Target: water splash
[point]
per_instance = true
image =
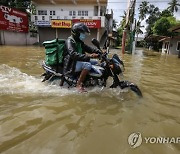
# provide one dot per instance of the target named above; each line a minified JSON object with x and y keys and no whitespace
{"x":13,"y":81}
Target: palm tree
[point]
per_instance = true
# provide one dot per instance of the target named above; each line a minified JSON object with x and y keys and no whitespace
{"x":123,"y":21}
{"x":143,"y":10}
{"x":154,"y":15}
{"x":138,"y":30}
{"x":173,"y":6}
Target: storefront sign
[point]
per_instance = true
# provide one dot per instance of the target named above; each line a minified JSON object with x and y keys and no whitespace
{"x":13,"y":20}
{"x":42,"y":23}
{"x":90,"y":23}
{"x":61,"y":23}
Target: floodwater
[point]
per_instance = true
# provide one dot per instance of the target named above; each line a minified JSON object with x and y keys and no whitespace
{"x":40,"y":118}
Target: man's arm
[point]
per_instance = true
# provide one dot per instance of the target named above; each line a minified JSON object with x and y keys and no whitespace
{"x":89,"y":49}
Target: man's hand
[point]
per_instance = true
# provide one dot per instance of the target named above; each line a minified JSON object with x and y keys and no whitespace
{"x":94,"y":55}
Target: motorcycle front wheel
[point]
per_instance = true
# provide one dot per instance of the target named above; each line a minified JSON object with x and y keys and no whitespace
{"x":131,"y":86}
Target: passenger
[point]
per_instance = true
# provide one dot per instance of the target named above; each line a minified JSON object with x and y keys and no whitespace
{"x":75,"y":59}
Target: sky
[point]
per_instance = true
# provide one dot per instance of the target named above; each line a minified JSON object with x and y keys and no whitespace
{"x":119,"y":6}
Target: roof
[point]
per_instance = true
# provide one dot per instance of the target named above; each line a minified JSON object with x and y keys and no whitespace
{"x":175,"y":28}
{"x":154,"y":37}
{"x":169,"y":38}
{"x":54,"y":2}
{"x":164,"y":39}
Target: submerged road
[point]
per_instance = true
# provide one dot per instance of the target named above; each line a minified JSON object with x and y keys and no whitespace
{"x":39,"y":118}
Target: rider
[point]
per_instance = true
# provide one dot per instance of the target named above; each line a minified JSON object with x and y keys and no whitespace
{"x":75,"y":59}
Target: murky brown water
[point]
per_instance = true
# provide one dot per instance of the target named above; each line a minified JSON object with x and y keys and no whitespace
{"x":37,"y":118}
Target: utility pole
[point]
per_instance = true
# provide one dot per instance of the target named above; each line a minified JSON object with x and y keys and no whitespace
{"x":125,"y":29}
{"x":132,"y":27}
{"x":129,"y":21}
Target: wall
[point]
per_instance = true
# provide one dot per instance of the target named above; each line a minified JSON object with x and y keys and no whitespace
{"x":47,"y":33}
{"x":15,"y":38}
{"x":63,"y":10}
{"x":173,"y":46}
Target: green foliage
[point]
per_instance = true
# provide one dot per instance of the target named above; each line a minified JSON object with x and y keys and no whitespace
{"x":141,"y":43}
{"x":120,"y":34}
{"x":19,"y":4}
{"x":123,"y":21}
{"x":166,"y":13}
{"x":162,"y":25}
{"x":22,"y":5}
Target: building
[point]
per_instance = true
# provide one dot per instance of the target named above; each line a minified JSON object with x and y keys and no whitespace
{"x":54,"y":18}
{"x":171,"y":45}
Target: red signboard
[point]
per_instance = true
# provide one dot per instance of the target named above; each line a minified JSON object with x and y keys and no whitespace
{"x":13,"y":20}
{"x":90,"y":23}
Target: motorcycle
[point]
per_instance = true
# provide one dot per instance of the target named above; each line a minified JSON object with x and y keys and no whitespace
{"x":98,"y":75}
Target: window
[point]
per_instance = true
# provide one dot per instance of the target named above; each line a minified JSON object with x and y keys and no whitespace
{"x":178,"y":46}
{"x":58,"y":17}
{"x":50,"y":17}
{"x":83,"y":13}
{"x":36,"y":17}
{"x":79,"y":13}
{"x":52,"y":13}
{"x":43,"y":17}
{"x":86,"y":13}
{"x":42,"y":12}
{"x":70,"y":13}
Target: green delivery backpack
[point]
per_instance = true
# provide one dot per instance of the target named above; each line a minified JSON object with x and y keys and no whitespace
{"x":54,"y":50}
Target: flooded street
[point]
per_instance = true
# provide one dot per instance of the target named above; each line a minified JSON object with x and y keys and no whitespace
{"x":39,"y":118}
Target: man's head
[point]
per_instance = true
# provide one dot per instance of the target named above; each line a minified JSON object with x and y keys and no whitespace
{"x":79,"y":31}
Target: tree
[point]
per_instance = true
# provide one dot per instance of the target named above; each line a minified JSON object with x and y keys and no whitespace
{"x":19,"y":4}
{"x":173,"y":6}
{"x":154,"y":15}
{"x":123,"y":21}
{"x":166,"y":13}
{"x":162,"y":25}
{"x":143,"y":10}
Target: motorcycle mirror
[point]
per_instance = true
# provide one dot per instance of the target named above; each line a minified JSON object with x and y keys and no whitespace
{"x":96,"y":43}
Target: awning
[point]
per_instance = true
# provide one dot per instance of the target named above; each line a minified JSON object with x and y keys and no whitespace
{"x":164,"y":39}
{"x":175,"y":28}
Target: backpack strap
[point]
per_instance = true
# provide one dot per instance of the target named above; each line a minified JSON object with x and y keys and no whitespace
{"x":57,"y":56}
{"x":78,"y":45}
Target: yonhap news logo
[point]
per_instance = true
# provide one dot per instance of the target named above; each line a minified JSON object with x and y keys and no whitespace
{"x":136,"y":139}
